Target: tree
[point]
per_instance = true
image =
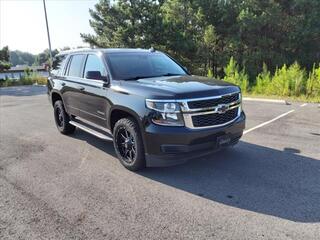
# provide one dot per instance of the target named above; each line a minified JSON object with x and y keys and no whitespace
{"x":204,"y":34}
{"x":44,"y":57}
{"x":184,"y":28}
{"x":277,"y":33}
{"x":210,"y":48}
{"x":125,"y":23}
{"x":21,"y":58}
{"x":4,"y":59}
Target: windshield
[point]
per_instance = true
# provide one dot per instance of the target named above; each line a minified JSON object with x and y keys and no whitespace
{"x":133,"y":66}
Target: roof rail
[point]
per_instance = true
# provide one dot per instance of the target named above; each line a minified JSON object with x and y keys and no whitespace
{"x":75,"y":50}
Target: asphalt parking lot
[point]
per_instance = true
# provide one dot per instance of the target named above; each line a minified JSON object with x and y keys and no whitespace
{"x":72,"y":187}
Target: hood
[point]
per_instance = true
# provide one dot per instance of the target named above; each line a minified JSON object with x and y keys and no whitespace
{"x":178,"y":87}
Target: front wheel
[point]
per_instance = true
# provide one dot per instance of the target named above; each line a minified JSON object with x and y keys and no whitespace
{"x":62,"y":119}
{"x":128,"y":144}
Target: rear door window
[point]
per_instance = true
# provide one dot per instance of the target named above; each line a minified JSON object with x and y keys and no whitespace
{"x":75,"y":65}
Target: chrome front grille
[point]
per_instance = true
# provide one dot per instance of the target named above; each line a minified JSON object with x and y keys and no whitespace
{"x":211,"y":112}
{"x":206,"y":120}
{"x":207,"y":103}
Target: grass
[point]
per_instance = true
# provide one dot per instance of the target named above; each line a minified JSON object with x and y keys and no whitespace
{"x":301,"y":98}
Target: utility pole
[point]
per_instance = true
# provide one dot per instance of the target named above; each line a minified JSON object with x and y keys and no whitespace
{"x":45,"y":13}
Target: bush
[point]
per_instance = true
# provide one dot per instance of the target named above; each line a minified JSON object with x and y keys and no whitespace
{"x":28,"y":79}
{"x":33,"y":78}
{"x":313,"y":82}
{"x":235,"y":76}
{"x":280,"y":83}
{"x":210,"y":73}
{"x":285,"y":82}
{"x":263,"y":81}
{"x":298,"y":80}
{"x":289,"y":81}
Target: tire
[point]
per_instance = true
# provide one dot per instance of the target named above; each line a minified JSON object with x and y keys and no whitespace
{"x":62,"y":119}
{"x":128,"y":144}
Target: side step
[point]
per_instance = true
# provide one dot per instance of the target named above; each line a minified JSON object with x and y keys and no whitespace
{"x":92,"y":130}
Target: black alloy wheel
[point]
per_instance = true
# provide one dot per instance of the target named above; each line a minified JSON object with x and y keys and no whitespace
{"x":62,"y":119}
{"x":128,"y":144}
{"x":59,"y":117}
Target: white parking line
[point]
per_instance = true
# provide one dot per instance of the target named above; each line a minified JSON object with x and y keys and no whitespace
{"x":263,"y":100}
{"x":304,"y":104}
{"x":268,"y":122}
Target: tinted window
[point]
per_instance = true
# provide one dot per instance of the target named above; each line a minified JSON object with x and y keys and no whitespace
{"x":57,"y":65}
{"x":93,"y":63}
{"x":75,"y":65}
{"x":128,"y":66}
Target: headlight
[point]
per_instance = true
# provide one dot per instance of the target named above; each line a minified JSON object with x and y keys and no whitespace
{"x":166,"y":113}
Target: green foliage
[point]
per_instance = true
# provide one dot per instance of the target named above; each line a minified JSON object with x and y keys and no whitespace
{"x":29,"y":79}
{"x":313,"y":82}
{"x":32,"y":77}
{"x":280,"y":83}
{"x":204,"y":34}
{"x":236,"y":76}
{"x":210,"y":73}
{"x":24,"y":58}
{"x":288,"y":81}
{"x":263,"y":80}
{"x":298,"y":80}
{"x":125,"y":24}
{"x":4,"y":65}
{"x":4,"y":59}
{"x":44,"y":57}
{"x":21,"y":58}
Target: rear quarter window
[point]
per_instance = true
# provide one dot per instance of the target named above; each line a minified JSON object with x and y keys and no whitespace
{"x":58,"y":65}
{"x":75,"y":65}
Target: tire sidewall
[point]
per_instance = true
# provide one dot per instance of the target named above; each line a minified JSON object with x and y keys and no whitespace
{"x":58,"y":107}
{"x":66,"y":127}
{"x":132,"y":127}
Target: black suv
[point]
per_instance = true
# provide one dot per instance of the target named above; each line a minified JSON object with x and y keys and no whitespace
{"x":153,"y":110}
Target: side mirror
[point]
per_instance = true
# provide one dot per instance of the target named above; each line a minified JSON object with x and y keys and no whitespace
{"x":186,"y":69}
{"x":96,"y":75}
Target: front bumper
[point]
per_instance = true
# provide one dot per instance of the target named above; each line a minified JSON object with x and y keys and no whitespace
{"x":167,"y":146}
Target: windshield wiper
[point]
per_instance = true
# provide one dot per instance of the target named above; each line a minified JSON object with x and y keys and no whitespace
{"x":170,"y":74}
{"x":138,"y":77}
{"x":162,"y":75}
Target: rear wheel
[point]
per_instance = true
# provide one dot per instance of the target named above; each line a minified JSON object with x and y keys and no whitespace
{"x":62,"y":119}
{"x":128,"y":144}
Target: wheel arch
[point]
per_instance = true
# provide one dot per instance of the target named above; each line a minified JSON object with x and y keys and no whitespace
{"x":55,"y":96}
{"x":118,"y":112}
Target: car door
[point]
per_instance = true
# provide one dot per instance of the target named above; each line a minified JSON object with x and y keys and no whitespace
{"x":72,"y":89}
{"x":93,"y":103}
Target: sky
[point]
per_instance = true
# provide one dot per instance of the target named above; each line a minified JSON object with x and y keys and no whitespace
{"x":23,"y":27}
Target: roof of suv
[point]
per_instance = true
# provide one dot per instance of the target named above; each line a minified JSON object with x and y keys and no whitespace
{"x":106,"y":50}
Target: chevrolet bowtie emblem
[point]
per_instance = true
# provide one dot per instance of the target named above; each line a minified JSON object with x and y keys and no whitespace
{"x":222,"y":108}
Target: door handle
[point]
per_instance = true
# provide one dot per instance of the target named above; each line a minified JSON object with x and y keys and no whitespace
{"x":63,"y":84}
{"x":81,"y":88}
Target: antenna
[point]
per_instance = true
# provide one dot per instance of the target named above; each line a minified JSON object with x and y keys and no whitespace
{"x":49,"y":41}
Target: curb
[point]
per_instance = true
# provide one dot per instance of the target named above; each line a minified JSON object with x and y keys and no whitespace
{"x":265,"y":100}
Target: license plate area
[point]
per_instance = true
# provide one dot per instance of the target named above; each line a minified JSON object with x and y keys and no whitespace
{"x":223,"y":141}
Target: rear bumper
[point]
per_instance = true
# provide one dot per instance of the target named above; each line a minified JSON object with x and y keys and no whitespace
{"x":167,"y":146}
